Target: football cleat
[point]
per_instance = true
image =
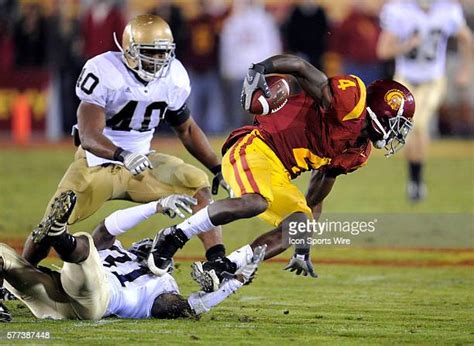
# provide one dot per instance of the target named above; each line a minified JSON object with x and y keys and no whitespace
{"x":165,"y":244}
{"x":210,"y":274}
{"x":207,"y":280}
{"x":5,"y":315}
{"x":416,"y":191}
{"x":6,"y":294}
{"x":55,"y":223}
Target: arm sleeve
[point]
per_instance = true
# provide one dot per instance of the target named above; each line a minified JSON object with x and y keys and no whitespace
{"x":90,"y":85}
{"x":202,"y":302}
{"x":178,"y":117}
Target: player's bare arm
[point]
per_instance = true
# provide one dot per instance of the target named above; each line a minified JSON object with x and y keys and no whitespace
{"x":91,"y":124}
{"x":197,"y":144}
{"x":319,"y":188}
{"x":312,"y":80}
{"x":464,"y":38}
{"x":389,"y":45}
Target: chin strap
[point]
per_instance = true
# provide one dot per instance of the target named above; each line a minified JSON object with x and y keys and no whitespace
{"x":382,"y":142}
{"x":379,"y":144}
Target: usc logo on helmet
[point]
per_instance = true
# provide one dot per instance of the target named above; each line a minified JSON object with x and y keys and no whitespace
{"x":394,"y":97}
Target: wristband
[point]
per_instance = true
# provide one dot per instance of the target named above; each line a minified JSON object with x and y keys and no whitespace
{"x":118,"y":154}
{"x":216,"y":169}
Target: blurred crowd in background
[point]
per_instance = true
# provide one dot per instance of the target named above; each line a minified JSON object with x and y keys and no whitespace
{"x":216,"y":41}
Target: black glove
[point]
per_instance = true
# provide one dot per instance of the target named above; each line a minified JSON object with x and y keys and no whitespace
{"x":254,"y":80}
{"x":219,"y":180}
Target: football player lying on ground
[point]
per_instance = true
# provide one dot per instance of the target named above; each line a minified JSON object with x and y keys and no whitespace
{"x":327,"y":127}
{"x":100,"y":278}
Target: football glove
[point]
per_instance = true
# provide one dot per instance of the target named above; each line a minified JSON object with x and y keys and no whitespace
{"x":175,"y":205}
{"x":301,"y":263}
{"x":248,"y":271}
{"x":136,"y":163}
{"x":254,"y":80}
{"x":218,"y":180}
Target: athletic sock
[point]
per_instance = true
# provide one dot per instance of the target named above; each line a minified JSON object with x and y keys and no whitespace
{"x":64,"y":245}
{"x":241,"y":256}
{"x":214,"y":252}
{"x":198,"y":223}
{"x":415,"y":169}
{"x":202,"y":302}
{"x":121,"y":221}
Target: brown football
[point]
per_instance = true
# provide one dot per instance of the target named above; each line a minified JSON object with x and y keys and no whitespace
{"x":280,"y":90}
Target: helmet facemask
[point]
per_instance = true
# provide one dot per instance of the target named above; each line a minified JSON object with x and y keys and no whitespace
{"x":140,"y":58}
{"x":394,"y":137}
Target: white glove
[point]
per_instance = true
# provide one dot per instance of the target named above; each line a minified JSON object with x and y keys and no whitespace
{"x":173,"y":204}
{"x":248,"y":271}
{"x":134,"y":162}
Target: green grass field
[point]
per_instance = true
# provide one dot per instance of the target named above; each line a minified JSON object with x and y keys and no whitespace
{"x":410,"y":281}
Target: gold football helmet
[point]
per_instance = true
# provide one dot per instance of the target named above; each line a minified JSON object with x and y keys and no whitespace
{"x":147,"y":46}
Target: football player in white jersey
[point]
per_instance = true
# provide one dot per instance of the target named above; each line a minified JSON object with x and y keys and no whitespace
{"x":124,"y":96}
{"x":100,"y":278}
{"x":415,"y":33}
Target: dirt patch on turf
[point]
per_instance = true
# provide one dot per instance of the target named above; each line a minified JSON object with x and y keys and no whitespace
{"x":17,"y":244}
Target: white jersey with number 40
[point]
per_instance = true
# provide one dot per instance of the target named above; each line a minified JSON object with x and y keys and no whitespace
{"x":133,"y":109}
{"x":405,"y":18}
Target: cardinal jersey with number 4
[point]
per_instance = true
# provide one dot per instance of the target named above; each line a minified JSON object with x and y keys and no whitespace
{"x":133,"y":109}
{"x":305,"y":136}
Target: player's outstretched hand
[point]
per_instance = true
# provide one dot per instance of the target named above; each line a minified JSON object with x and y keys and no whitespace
{"x":301,"y":264}
{"x":248,"y":271}
{"x":136,"y":163}
{"x":175,"y":205}
{"x":218,"y":180}
{"x":254,"y":80}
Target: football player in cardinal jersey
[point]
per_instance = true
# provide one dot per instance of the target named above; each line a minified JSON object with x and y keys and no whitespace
{"x":327,"y":127}
{"x":124,"y":96}
{"x":101,"y":278}
{"x":415,"y":33}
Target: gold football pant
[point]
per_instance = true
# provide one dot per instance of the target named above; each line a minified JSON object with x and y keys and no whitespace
{"x":428,"y":97}
{"x":79,"y":291}
{"x":96,"y":185}
{"x":251,"y":166}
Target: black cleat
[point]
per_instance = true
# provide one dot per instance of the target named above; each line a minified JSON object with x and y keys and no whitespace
{"x":210,"y":274}
{"x":6,"y":294}
{"x":55,"y":223}
{"x":5,"y":315}
{"x":165,"y":245}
